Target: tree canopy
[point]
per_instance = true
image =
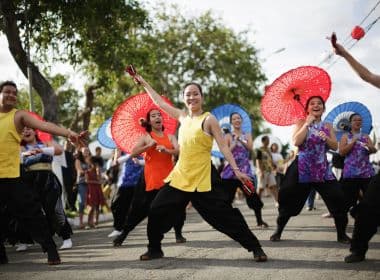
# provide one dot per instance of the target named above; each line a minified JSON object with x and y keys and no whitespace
{"x":169,"y":49}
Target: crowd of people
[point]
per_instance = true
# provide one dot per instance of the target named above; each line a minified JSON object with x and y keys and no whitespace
{"x":172,"y":174}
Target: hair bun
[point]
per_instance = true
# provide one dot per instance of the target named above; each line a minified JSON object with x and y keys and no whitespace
{"x":143,"y":122}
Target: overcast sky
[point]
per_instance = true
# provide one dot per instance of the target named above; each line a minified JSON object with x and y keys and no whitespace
{"x":299,"y":26}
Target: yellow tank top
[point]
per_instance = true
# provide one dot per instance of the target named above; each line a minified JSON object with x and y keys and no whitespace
{"x":192,"y":171}
{"x":9,"y":146}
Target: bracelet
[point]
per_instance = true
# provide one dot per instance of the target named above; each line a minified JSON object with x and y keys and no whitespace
{"x":237,"y":168}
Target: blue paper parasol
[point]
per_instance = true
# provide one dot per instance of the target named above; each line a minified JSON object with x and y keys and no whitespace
{"x":340,"y":117}
{"x":222,"y":114}
{"x":104,"y":135}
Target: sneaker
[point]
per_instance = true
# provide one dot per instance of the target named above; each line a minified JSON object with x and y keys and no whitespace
{"x":22,"y":247}
{"x":259,"y":255}
{"x":262,"y":225}
{"x":354,"y":258}
{"x":150,"y":255}
{"x":114,"y":233}
{"x":327,"y":215}
{"x":67,"y":244}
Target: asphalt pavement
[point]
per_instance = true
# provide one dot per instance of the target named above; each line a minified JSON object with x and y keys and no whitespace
{"x":308,"y":251}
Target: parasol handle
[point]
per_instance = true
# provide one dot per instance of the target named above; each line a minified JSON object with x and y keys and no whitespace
{"x":296,"y":96}
{"x":131,"y":70}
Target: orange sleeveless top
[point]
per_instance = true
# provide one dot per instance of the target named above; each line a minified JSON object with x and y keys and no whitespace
{"x":157,"y":165}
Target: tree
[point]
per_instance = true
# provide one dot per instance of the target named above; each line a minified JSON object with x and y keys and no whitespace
{"x":202,"y":49}
{"x":89,"y":34}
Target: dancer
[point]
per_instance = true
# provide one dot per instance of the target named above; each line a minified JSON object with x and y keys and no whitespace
{"x":367,"y":212}
{"x":190,"y":180}
{"x":240,"y":145}
{"x":159,"y":149}
{"x":357,"y":169}
{"x":15,"y":195}
{"x":37,"y":158}
{"x":129,"y":177}
{"x":313,"y":138}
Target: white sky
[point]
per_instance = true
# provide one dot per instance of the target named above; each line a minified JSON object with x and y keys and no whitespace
{"x":299,"y":26}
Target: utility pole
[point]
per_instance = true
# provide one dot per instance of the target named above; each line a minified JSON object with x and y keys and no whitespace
{"x":28,"y":62}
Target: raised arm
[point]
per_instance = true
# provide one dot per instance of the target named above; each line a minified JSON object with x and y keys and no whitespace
{"x":159,"y":101}
{"x":359,"y":68}
{"x":344,"y":146}
{"x":23,"y":118}
{"x":300,"y":131}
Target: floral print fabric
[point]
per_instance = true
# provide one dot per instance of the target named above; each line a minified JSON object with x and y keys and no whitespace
{"x":241,"y":156}
{"x":312,"y":160}
{"x":356,"y":163}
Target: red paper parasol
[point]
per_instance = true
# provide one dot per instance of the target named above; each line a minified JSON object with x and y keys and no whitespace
{"x":43,"y":136}
{"x":125,"y":124}
{"x":284,"y":100}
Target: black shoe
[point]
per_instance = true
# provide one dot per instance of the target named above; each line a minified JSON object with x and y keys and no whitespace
{"x":3,"y":255}
{"x":53,"y":257}
{"x":275,"y":237}
{"x":259,"y":255}
{"x":118,"y":241}
{"x":354,"y":258}
{"x":151,"y":254}
{"x":180,"y":239}
{"x":344,"y":239}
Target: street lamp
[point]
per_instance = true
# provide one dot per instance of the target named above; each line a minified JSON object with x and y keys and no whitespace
{"x":275,"y":52}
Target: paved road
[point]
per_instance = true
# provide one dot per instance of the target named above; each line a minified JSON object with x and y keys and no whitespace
{"x":308,"y":251}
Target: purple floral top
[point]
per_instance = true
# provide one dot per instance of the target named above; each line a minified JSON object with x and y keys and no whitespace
{"x":356,"y":162}
{"x":241,"y":156}
{"x":312,"y":160}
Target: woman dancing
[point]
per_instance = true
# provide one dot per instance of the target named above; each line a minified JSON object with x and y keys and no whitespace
{"x":159,"y":148}
{"x":190,"y":180}
{"x":311,"y":170}
{"x":37,"y":159}
{"x":240,"y":145}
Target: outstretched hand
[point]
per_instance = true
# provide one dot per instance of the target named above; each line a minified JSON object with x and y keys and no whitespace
{"x":78,"y":140}
{"x":338,"y":49}
{"x":131,"y":70}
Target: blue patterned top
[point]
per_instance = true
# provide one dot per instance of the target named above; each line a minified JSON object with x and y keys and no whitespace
{"x":356,"y":162}
{"x":312,"y":160}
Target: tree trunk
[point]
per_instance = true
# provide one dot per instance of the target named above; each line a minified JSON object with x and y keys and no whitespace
{"x":40,"y":84}
{"x":84,"y":116}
